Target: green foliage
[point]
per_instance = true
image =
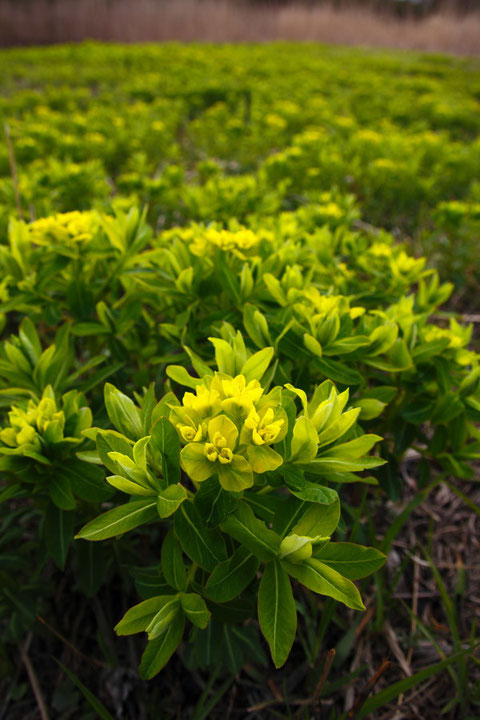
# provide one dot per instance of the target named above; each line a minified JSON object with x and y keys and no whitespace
{"x":219,"y":390}
{"x":233,"y":434}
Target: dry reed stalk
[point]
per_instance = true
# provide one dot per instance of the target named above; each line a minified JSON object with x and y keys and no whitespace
{"x":52,"y":21}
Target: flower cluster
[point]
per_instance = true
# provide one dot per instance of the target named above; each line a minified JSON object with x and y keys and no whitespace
{"x":27,"y":425}
{"x":240,"y":242}
{"x":228,"y":426}
{"x":38,"y":424}
{"x":65,"y":228}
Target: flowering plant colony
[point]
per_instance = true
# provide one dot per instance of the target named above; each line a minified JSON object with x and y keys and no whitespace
{"x":214,"y":342}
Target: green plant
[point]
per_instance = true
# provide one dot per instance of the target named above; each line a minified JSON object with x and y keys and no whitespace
{"x":256,"y":490}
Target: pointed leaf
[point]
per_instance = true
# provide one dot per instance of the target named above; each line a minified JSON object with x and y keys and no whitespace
{"x":173,"y":567}
{"x":164,"y":439}
{"x":139,"y":617}
{"x":119,"y":520}
{"x":277,"y":614}
{"x":352,"y":561}
{"x":123,"y":412}
{"x":159,"y":651}
{"x":170,"y":499}
{"x":203,"y":545}
{"x":195,"y":609}
{"x":257,"y":364}
{"x":252,"y":533}
{"x":324,"y":580}
{"x":232,"y":576}
{"x":318,"y":520}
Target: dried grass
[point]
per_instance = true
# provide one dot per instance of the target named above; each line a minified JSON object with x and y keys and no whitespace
{"x":50,"y":21}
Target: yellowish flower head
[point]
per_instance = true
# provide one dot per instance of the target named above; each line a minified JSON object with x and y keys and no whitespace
{"x":67,"y":228}
{"x":240,"y":242}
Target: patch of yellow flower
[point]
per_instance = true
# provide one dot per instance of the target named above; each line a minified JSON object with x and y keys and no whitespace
{"x":228,"y":426}
{"x":240,"y":242}
{"x":64,"y":228}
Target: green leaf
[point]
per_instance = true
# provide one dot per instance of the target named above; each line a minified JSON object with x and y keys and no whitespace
{"x":232,"y":576}
{"x":309,"y":491}
{"x":322,"y":579}
{"x":58,"y":533}
{"x":312,"y":344}
{"x":318,"y":520}
{"x":346,"y":345}
{"x":29,"y":339}
{"x":60,"y":491}
{"x":164,"y":439}
{"x":296,"y":548}
{"x":224,"y":356}
{"x":195,"y":609}
{"x":87,"y":481}
{"x":169,"y":500}
{"x":236,"y":476}
{"x":277,"y":614}
{"x":263,"y":458}
{"x":200,"y":367}
{"x":275,"y":288}
{"x":203,"y":545}
{"x":338,"y":428}
{"x":149,"y":582}
{"x":123,"y":412}
{"x":213,"y":502}
{"x":350,"y":560}
{"x":338,"y":372}
{"x":164,"y":617}
{"x":159,"y":651}
{"x":180,"y":375}
{"x":162,"y":408}
{"x":349,"y":477}
{"x":256,"y":325}
{"x":119,"y":520}
{"x":128,"y":468}
{"x":139,"y":451}
{"x":227,"y":278}
{"x":382,"y":338}
{"x":370,"y":408}
{"x":129,"y":487}
{"x":353,"y":449}
{"x":111,"y":441}
{"x":257,"y":364}
{"x":252,"y":533}
{"x":173,"y":566}
{"x":327,"y":465}
{"x":139,"y":617}
{"x":304,"y":441}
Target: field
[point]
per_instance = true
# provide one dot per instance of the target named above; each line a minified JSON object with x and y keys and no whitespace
{"x":239,"y":383}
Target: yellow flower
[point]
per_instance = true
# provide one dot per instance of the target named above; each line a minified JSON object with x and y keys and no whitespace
{"x":205,"y":403}
{"x":240,"y":396}
{"x":201,"y":460}
{"x":265,"y":430}
{"x":26,"y":436}
{"x":8,"y":436}
{"x":211,"y":240}
{"x":47,"y":413}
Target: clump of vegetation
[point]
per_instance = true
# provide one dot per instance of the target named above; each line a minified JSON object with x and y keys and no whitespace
{"x":228,"y":386}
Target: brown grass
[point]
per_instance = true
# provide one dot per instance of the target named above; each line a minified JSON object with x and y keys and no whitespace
{"x":50,"y":21}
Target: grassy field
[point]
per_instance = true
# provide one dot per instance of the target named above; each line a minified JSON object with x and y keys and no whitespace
{"x":301,"y":216}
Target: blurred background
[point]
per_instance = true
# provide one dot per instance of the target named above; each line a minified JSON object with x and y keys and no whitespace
{"x":435,"y":25}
